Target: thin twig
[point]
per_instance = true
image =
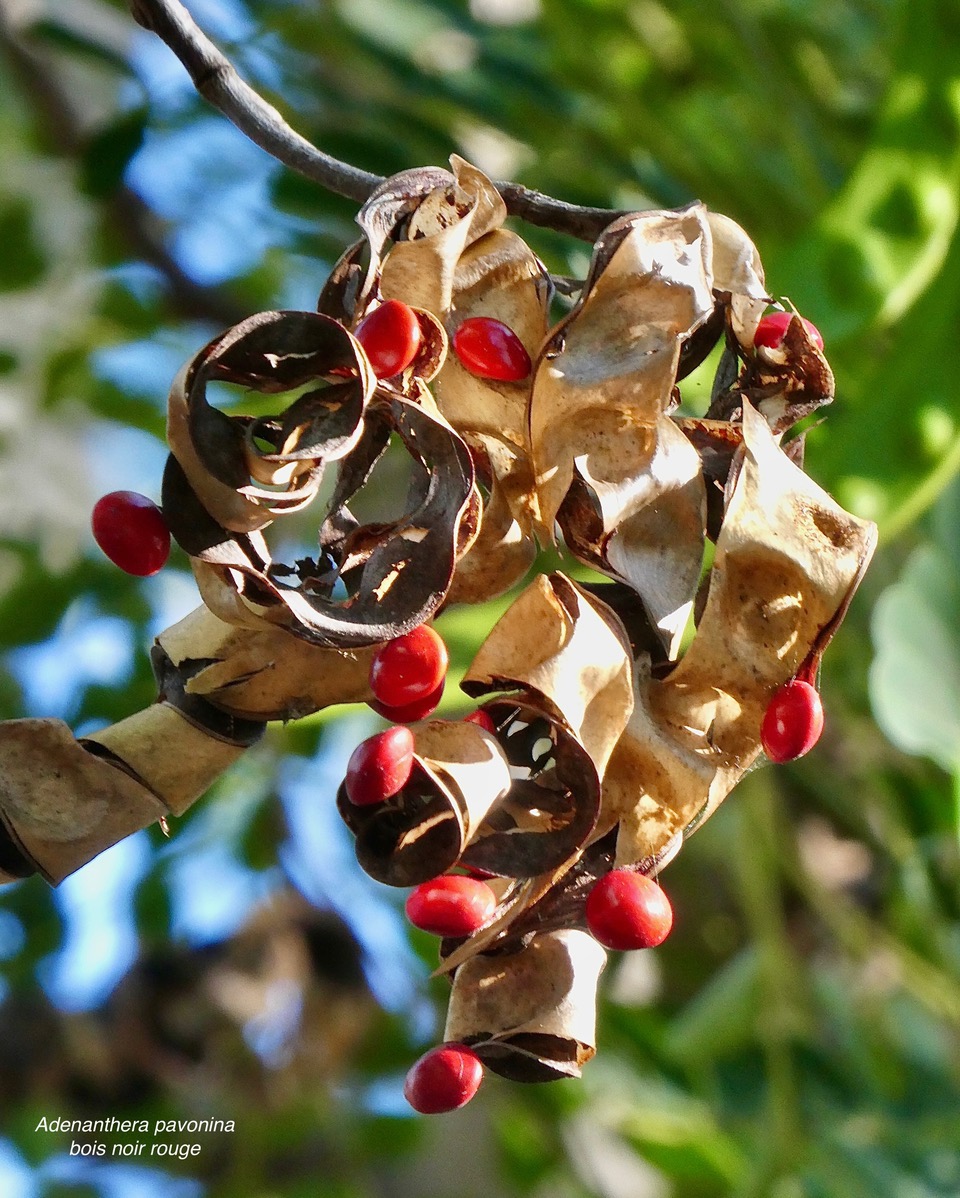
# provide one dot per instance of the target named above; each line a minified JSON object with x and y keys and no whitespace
{"x":217,"y":81}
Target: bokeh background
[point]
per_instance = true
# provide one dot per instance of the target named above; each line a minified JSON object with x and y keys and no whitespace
{"x":797,"y":1036}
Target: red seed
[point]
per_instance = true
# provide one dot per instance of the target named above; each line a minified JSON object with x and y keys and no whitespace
{"x":491,"y":350}
{"x":443,"y":1079}
{"x":627,"y":910}
{"x":131,"y":531}
{"x":410,"y":713}
{"x":391,"y":337}
{"x":451,"y":905}
{"x":773,"y":328}
{"x":792,"y":722}
{"x":482,"y":719}
{"x":408,"y":668}
{"x":379,"y":767}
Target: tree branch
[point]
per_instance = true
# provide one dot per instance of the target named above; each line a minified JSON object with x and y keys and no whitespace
{"x":218,"y":82}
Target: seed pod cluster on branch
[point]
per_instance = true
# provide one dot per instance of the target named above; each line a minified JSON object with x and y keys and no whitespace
{"x":619,"y":707}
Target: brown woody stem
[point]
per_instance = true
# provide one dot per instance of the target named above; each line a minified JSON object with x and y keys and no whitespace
{"x":218,"y":82}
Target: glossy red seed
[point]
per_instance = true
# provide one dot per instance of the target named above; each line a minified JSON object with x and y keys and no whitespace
{"x":391,"y":337}
{"x":444,"y":1079}
{"x":409,"y":713}
{"x":131,"y":531}
{"x":773,"y":328}
{"x":408,"y":668}
{"x":491,"y":350}
{"x":379,"y":767}
{"x":451,"y":905}
{"x":627,"y":910}
{"x":792,"y":722}
{"x":482,"y":719}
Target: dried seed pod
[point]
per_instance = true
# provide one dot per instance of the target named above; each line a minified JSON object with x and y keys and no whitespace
{"x":459,"y":774}
{"x":62,"y":804}
{"x":737,"y":275}
{"x":263,"y":673}
{"x":544,"y":819}
{"x":788,"y":558}
{"x":397,"y":575}
{"x":611,"y":466}
{"x":241,"y":485}
{"x":445,"y":214}
{"x":175,"y":756}
{"x":459,"y":264}
{"x":784,"y":384}
{"x":571,"y":649}
{"x":530,"y":1015}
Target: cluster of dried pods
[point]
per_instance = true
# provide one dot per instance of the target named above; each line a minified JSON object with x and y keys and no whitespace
{"x":616,"y":713}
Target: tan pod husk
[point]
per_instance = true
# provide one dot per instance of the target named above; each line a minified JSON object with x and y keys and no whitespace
{"x":571,"y":649}
{"x":457,"y":211}
{"x":175,"y":758}
{"x":614,"y":471}
{"x":264,"y":674}
{"x":787,"y":560}
{"x":63,"y":804}
{"x":530,"y":1015}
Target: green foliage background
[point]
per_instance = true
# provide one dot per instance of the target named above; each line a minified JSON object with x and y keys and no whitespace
{"x":797,"y":1037}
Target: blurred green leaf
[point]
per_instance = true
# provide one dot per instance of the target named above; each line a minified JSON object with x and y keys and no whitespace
{"x":23,"y":261}
{"x":108,"y":153}
{"x":915,"y":677}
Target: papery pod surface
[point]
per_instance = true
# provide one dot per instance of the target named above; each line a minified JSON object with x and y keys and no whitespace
{"x":611,"y":466}
{"x":787,"y":560}
{"x":530,"y":1015}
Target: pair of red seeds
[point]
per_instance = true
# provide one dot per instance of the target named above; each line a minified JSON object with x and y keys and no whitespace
{"x":624,"y":910}
{"x":406,"y":676}
{"x":392,"y":337}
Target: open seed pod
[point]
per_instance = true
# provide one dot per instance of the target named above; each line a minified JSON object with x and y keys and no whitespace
{"x":263,"y":673}
{"x":174,"y":752}
{"x":570,"y":649}
{"x":530,"y":1015}
{"x":788,"y":559}
{"x":612,"y":468}
{"x":783,"y":384}
{"x":432,"y":216}
{"x":549,"y":811}
{"x":222,"y":487}
{"x":459,"y":774}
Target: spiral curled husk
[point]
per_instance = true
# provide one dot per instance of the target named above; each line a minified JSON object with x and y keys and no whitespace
{"x":624,"y":710}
